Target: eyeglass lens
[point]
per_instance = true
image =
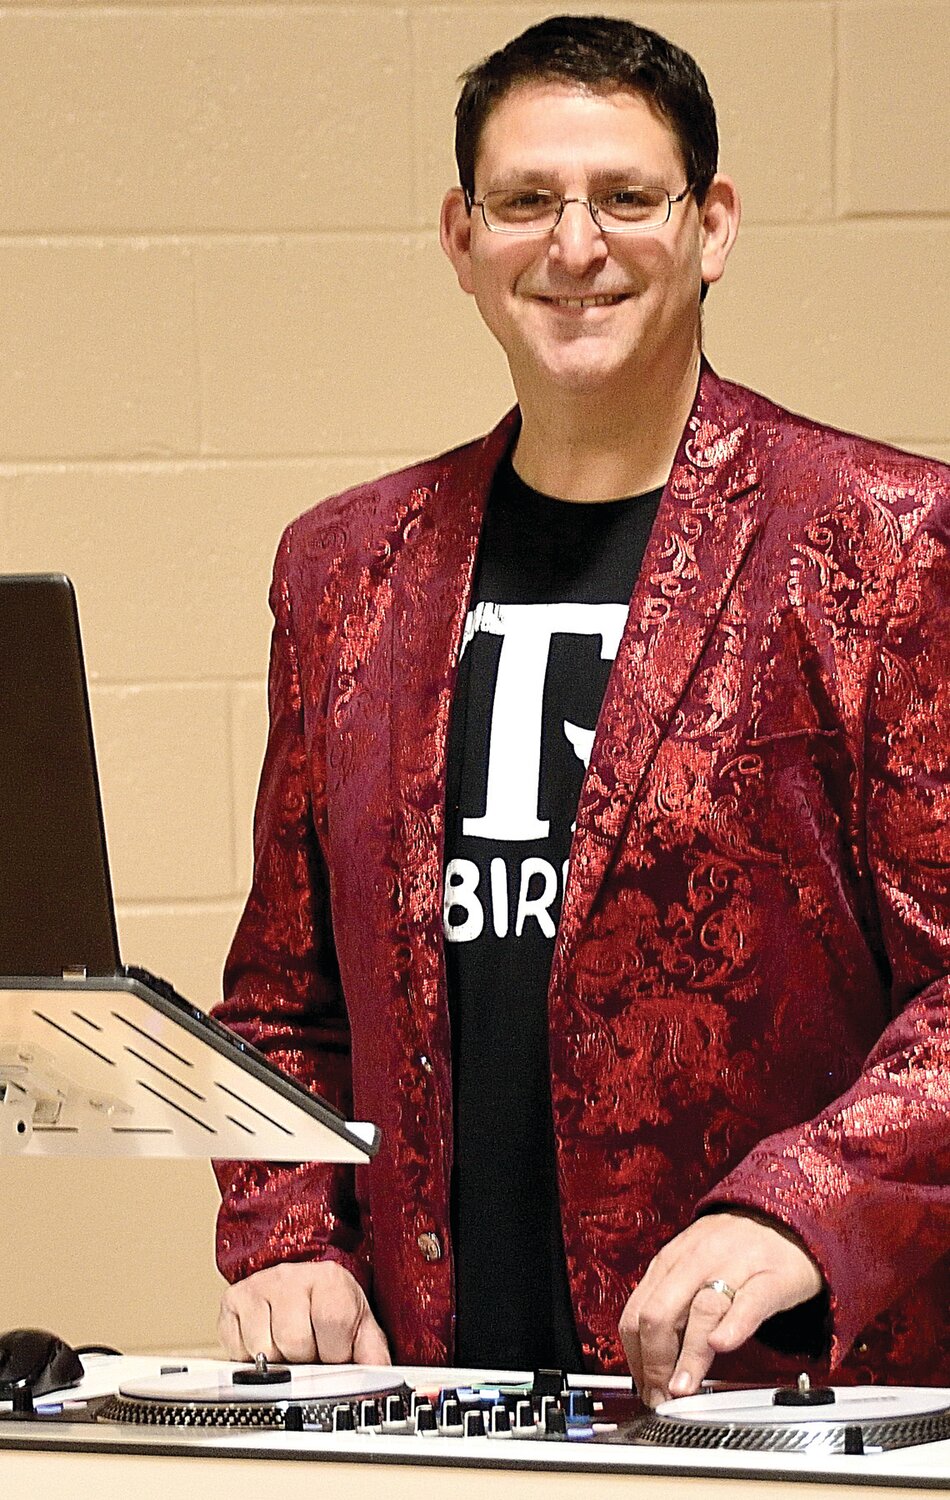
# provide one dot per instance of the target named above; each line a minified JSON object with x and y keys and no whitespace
{"x":536,"y":209}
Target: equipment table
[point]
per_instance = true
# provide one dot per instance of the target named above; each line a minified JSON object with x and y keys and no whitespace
{"x":85,"y":1460}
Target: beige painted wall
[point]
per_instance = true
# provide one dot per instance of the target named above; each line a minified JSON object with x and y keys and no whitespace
{"x":221,"y":298}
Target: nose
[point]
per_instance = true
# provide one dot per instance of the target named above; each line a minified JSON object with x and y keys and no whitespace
{"x":577,"y":241}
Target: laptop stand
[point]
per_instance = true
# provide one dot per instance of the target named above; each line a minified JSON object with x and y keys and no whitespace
{"x":120,"y":1065}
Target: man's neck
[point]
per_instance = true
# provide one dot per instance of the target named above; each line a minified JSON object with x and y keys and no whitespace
{"x":587,"y":449}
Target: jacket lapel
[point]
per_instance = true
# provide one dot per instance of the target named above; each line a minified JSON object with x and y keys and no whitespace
{"x":432,"y":584}
{"x":703,"y":529}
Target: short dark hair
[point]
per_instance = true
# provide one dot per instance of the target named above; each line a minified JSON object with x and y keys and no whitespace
{"x":602,"y":55}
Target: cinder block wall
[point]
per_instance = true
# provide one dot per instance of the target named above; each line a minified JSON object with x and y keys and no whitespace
{"x":222,"y":298}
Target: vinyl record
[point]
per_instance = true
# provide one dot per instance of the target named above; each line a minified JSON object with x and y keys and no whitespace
{"x":860,"y":1403}
{"x":307,"y":1383}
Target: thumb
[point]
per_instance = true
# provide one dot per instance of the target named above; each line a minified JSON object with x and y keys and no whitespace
{"x":369,"y":1342}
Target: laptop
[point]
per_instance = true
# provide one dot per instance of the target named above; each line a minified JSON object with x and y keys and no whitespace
{"x":96,"y":1055}
{"x":56,"y":911}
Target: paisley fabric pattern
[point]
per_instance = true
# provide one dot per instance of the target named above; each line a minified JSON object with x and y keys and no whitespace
{"x":749,"y":997}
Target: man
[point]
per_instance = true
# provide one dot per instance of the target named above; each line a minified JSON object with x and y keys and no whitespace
{"x":601,"y":846}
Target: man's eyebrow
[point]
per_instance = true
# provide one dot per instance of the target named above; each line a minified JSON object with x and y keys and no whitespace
{"x":523,"y":177}
{"x":605,"y":177}
{"x":632,"y":177}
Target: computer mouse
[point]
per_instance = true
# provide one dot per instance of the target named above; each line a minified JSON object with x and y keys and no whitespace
{"x":37,"y":1358}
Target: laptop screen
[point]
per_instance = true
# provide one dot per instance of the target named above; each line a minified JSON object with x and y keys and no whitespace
{"x":56,"y":908}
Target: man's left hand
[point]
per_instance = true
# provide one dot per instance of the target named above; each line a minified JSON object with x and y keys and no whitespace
{"x":676,"y":1322}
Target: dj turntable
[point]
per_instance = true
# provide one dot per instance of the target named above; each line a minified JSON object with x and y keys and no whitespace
{"x":440,"y":1430}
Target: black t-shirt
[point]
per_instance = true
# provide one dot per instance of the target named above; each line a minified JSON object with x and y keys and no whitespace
{"x":549,"y":603}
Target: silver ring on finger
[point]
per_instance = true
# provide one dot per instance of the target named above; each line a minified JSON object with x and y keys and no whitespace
{"x":718,"y":1285}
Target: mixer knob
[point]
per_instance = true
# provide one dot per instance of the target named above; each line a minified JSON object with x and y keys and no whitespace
{"x":343,"y":1419}
{"x":426,"y":1420}
{"x":555,"y":1422}
{"x":475,"y":1423}
{"x":544,"y":1406}
{"x":394,"y":1414}
{"x":499,"y":1421}
{"x":451,"y":1419}
{"x":369,"y":1413}
{"x":524,"y":1418}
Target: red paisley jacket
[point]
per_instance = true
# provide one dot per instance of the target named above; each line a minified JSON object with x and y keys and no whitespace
{"x":749,"y":996}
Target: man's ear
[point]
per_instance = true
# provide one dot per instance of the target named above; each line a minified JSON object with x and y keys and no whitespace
{"x":719,"y":215}
{"x":455,"y":233}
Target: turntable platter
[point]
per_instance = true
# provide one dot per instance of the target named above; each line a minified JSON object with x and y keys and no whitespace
{"x":857,"y":1419}
{"x":306,"y":1383}
{"x":222,"y":1398}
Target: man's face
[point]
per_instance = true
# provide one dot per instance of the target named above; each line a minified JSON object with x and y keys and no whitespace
{"x":533,"y":290}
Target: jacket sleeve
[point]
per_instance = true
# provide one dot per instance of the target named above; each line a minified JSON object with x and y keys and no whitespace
{"x":282,"y":993}
{"x":866,"y":1185}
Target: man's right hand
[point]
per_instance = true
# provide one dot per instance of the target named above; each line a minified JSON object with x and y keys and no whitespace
{"x":303,"y":1312}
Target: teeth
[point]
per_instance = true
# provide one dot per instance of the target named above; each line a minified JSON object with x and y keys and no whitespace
{"x":604,"y":301}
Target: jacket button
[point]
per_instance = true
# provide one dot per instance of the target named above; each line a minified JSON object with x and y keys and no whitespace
{"x":425,"y":1063}
{"x":861,"y":1348}
{"x":430,"y":1246}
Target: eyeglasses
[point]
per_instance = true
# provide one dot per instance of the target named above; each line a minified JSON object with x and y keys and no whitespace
{"x":624,"y":210}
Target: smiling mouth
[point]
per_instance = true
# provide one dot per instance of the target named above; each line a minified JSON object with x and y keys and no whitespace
{"x":608,"y":299}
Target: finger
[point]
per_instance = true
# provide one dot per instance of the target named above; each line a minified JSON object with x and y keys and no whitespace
{"x":369,"y":1345}
{"x":661,"y":1326}
{"x":253,"y":1314}
{"x":291,"y":1326}
{"x":629,"y":1326}
{"x":706,"y":1314}
{"x":335,"y":1318}
{"x":663,"y":1265}
{"x":757,"y":1300}
{"x":629,"y":1330}
{"x":229,"y":1334}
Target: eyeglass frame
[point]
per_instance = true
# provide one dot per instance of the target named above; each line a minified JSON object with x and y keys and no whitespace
{"x":479,"y":203}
